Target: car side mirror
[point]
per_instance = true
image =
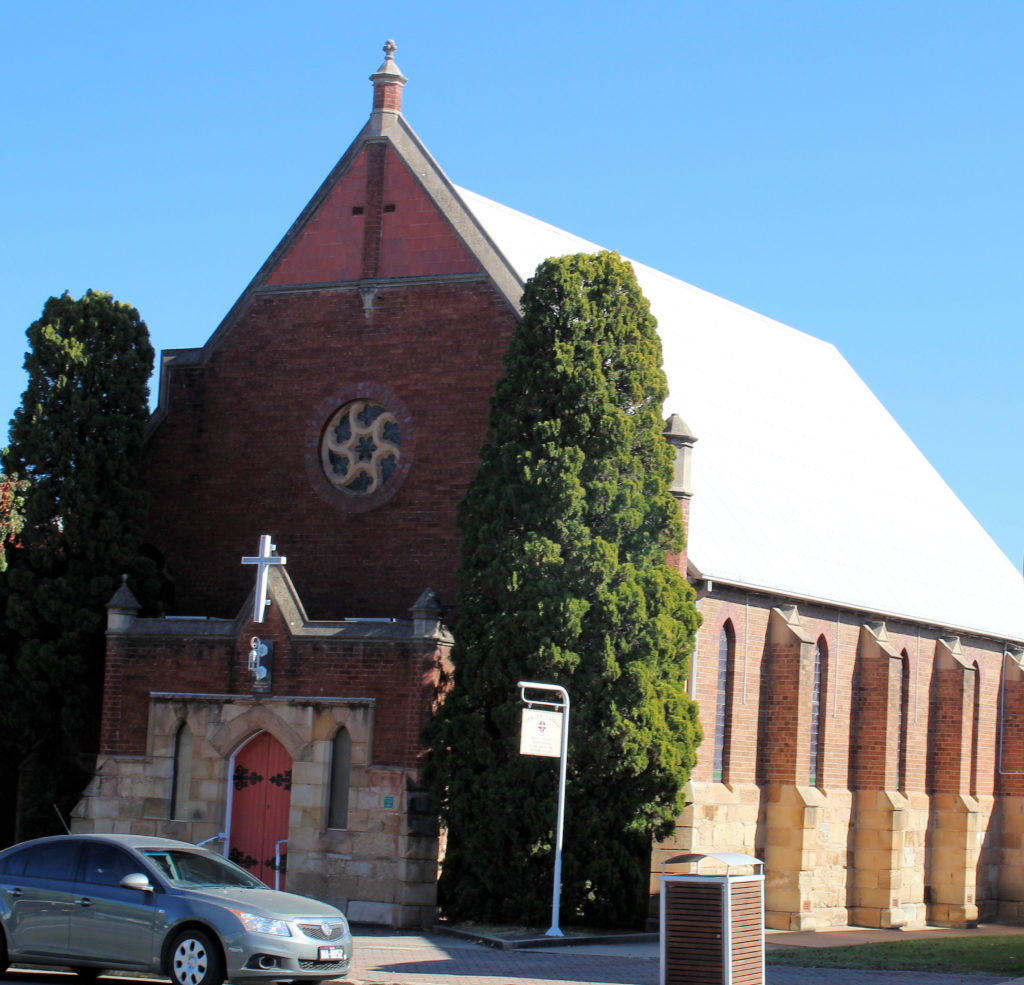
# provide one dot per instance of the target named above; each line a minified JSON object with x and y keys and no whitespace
{"x":137,"y":880}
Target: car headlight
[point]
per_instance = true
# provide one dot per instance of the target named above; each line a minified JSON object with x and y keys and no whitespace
{"x":262,"y":925}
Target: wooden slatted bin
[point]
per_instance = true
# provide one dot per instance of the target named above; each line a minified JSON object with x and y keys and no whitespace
{"x":712,"y":925}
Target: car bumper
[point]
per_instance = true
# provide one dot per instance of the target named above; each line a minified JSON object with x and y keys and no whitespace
{"x":268,"y":959}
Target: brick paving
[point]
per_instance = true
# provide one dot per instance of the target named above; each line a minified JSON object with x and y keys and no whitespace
{"x":389,"y":958}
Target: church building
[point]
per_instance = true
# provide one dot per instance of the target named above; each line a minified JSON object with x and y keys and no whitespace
{"x":859,"y":670}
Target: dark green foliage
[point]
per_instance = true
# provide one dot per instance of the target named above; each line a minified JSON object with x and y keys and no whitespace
{"x":12,"y":515}
{"x":563,"y":580}
{"x":76,"y":439}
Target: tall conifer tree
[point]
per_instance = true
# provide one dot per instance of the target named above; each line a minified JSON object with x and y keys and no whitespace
{"x":12,"y":519}
{"x":76,"y":439}
{"x":563,"y":579}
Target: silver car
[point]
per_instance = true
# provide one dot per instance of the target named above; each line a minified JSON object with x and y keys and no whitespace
{"x":91,"y":902}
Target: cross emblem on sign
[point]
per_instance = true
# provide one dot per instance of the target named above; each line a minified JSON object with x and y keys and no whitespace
{"x":263,"y":562}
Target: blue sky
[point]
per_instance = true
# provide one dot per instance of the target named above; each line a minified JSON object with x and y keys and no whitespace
{"x":850,"y":168}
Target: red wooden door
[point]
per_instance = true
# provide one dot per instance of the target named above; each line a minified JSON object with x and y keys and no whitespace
{"x":260,"y":801}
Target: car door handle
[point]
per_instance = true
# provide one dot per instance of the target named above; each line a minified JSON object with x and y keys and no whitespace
{"x":16,"y":892}
{"x":84,"y":901}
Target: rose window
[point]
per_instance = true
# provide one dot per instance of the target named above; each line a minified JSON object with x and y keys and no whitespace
{"x":361,"y":448}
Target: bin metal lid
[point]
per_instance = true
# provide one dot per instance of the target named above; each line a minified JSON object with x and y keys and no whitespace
{"x":728,"y":859}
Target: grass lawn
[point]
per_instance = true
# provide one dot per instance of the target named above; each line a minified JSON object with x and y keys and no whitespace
{"x":993,"y":955}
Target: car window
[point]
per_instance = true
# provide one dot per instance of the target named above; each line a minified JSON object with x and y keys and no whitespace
{"x":107,"y":864}
{"x":53,"y":860}
{"x":14,"y":864}
{"x":188,"y":868}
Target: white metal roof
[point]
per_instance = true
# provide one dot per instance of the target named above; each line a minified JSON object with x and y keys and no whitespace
{"x":803,"y":483}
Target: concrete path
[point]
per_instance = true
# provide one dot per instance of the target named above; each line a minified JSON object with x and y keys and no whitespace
{"x":396,"y":958}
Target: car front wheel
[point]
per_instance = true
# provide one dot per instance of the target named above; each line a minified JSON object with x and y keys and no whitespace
{"x":196,"y":960}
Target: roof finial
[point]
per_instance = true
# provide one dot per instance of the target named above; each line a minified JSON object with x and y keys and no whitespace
{"x":387,"y":83}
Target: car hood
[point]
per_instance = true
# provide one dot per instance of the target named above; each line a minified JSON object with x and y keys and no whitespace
{"x":266,"y":902}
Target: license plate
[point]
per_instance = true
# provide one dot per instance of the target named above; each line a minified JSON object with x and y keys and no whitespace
{"x":331,"y":954}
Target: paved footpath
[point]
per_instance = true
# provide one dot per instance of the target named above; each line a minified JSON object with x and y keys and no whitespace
{"x":390,"y":958}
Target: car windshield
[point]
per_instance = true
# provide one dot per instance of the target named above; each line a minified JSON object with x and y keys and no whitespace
{"x":190,"y":869}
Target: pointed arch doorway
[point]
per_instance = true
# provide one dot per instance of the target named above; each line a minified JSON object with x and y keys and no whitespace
{"x":261,"y":796}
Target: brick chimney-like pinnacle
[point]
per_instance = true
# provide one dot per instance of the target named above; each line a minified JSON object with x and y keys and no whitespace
{"x":387,"y":83}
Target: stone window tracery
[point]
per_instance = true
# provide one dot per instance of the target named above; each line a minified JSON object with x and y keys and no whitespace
{"x":361,"y":447}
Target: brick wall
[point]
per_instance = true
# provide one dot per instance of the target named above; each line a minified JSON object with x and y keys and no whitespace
{"x":1011,"y":779}
{"x":939,"y":843}
{"x":876,"y":710}
{"x":402,"y":675}
{"x":951,"y":727}
{"x":135,"y":666}
{"x":784,"y":726}
{"x":230,"y":460}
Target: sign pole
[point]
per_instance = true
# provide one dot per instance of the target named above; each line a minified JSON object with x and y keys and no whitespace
{"x":563,"y":708}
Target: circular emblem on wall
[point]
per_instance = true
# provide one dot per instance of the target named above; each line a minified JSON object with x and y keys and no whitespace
{"x":360,"y":447}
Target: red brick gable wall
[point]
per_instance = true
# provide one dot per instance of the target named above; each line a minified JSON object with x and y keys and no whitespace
{"x":376,"y":222}
{"x":229,"y":461}
{"x":329,"y":249}
{"x":401,"y":314}
{"x":416,"y":240}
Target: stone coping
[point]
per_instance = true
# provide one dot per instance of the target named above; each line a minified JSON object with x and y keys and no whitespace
{"x":260,"y":698}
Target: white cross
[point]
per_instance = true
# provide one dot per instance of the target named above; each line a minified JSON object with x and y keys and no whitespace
{"x":263,"y":562}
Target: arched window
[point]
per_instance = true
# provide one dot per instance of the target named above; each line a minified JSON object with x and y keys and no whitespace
{"x":975,"y":729}
{"x":902,"y":720}
{"x":817,"y":704}
{"x":341,"y":764}
{"x":181,"y":776}
{"x":726,"y":647}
